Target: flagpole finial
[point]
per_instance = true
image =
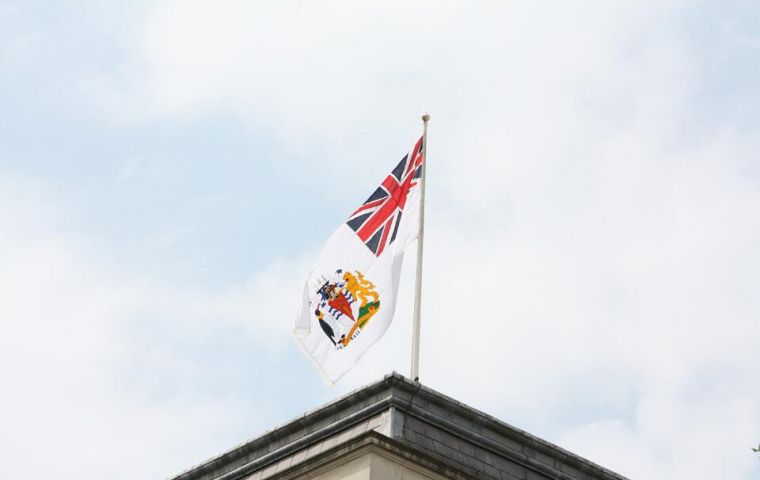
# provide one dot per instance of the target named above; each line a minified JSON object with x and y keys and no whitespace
{"x":425,"y":117}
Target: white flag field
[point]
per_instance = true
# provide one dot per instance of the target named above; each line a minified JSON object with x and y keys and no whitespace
{"x":350,"y":295}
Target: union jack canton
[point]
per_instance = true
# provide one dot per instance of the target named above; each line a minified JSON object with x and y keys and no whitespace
{"x":376,"y":221}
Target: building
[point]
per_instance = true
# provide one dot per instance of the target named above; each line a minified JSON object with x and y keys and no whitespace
{"x":397,"y":429}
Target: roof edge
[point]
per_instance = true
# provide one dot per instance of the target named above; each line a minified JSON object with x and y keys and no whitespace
{"x":393,"y":390}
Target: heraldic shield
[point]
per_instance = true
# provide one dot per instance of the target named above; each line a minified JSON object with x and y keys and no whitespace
{"x":344,"y":303}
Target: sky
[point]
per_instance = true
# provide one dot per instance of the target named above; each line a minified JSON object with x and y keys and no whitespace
{"x":169,"y":171}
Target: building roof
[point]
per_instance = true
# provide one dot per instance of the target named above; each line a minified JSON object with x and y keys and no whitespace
{"x":406,"y":419}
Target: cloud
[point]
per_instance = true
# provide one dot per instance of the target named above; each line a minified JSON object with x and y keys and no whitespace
{"x":97,"y":361}
{"x":591,"y":261}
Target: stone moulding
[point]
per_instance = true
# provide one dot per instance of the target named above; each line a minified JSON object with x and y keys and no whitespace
{"x":400,"y":416}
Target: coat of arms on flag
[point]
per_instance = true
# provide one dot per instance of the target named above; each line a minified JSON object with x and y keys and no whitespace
{"x":344,"y":305}
{"x":350,"y":295}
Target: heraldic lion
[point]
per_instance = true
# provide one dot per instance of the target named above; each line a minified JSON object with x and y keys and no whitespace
{"x":360,"y":288}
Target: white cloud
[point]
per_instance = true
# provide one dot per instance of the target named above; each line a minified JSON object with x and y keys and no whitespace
{"x":98,"y":365}
{"x":591,"y":267}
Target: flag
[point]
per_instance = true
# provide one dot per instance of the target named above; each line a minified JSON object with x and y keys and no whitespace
{"x":349,"y":296}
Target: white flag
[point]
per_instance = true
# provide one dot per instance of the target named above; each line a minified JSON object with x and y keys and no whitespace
{"x":350,"y":295}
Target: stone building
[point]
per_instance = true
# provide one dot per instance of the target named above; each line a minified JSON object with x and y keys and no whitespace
{"x":397,"y":429}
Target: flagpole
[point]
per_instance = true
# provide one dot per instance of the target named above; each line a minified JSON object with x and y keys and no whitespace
{"x":420,"y":241}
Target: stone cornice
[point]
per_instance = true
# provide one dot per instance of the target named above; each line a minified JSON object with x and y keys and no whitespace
{"x":395,"y":406}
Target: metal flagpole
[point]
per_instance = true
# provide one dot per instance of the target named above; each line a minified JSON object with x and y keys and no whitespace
{"x":418,"y":279}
